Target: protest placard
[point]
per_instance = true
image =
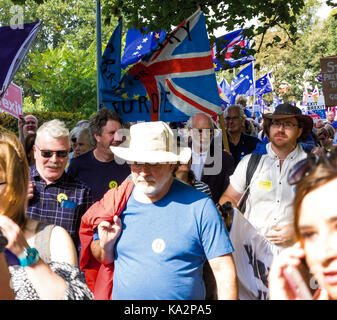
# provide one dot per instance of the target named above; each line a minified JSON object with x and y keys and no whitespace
{"x":329,"y":80}
{"x":11,"y":101}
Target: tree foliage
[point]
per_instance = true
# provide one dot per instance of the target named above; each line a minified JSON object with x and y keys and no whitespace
{"x":65,"y":77}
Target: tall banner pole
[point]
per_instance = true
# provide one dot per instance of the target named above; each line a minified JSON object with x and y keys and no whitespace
{"x":224,"y":134}
{"x":98,"y":48}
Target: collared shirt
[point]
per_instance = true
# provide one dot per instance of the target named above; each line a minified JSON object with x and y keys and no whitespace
{"x":198,"y":162}
{"x":269,"y":203}
{"x":62,"y":202}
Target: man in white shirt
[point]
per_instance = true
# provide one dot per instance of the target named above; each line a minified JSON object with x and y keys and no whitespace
{"x":269,"y":204}
{"x":211,"y":164}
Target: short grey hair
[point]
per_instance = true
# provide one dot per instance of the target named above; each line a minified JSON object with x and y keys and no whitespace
{"x":54,"y":128}
{"x":237,"y":107}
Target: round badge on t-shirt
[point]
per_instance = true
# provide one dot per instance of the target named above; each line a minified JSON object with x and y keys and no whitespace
{"x":158,"y":245}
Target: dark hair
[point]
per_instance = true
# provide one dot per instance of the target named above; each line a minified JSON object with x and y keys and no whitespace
{"x":28,"y":145}
{"x":322,"y":173}
{"x":100,"y":119}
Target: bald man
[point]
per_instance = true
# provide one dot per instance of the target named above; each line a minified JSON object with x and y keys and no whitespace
{"x":210,"y":162}
{"x":27,"y":124}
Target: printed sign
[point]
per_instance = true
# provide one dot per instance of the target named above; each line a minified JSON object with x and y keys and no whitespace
{"x":11,"y":101}
{"x":316,"y":105}
{"x":329,"y":80}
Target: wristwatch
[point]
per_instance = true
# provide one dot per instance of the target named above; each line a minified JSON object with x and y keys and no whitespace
{"x":29,"y":257}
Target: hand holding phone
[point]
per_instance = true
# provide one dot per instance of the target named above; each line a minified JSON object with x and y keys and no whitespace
{"x":301,"y":281}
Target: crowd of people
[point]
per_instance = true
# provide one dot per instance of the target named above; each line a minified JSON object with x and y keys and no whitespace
{"x":168,"y":211}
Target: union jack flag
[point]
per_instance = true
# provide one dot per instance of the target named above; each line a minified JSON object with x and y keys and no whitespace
{"x":172,"y":84}
{"x":232,"y":39}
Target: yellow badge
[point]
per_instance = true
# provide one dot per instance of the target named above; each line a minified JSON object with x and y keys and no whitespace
{"x":265,"y":185}
{"x":112,"y":184}
{"x":61,"y":196}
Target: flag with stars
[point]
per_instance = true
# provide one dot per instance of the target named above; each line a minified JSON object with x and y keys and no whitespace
{"x":225,"y":93}
{"x":262,"y":85}
{"x":173,"y":83}
{"x":229,"y":42}
{"x":242,"y":82}
{"x":137,"y":45}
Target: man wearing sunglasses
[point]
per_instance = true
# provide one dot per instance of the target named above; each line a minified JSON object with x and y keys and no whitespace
{"x":57,"y":198}
{"x":269,"y":203}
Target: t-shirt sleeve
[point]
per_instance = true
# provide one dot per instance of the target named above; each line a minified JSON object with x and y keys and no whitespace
{"x":214,"y":236}
{"x":238,"y":178}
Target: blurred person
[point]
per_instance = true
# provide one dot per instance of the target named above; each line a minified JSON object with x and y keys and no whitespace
{"x":330,"y":117}
{"x":85,"y":142}
{"x":315,"y":217}
{"x":26,"y":125}
{"x":28,"y":146}
{"x":55,"y":197}
{"x":35,"y":266}
{"x":268,"y":205}
{"x":98,"y":168}
{"x":211,"y":164}
{"x":240,"y":143}
{"x":83,"y":123}
{"x":324,"y":139}
{"x":165,"y":259}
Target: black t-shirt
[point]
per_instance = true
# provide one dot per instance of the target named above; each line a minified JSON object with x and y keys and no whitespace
{"x":98,"y":176}
{"x":246,"y":145}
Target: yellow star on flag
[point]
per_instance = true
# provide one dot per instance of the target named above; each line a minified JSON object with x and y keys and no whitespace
{"x":135,"y":97}
{"x":125,"y":96}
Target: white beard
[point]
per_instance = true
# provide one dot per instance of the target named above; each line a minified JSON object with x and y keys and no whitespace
{"x":142,"y":187}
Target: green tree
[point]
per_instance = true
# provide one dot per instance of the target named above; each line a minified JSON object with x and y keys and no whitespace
{"x":65,"y":77}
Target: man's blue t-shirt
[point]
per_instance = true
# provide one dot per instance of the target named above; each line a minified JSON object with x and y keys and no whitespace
{"x":98,"y":176}
{"x":163,"y":246}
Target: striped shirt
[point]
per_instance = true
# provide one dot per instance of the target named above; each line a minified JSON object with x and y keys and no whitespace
{"x":202,"y":186}
{"x":62,"y":202}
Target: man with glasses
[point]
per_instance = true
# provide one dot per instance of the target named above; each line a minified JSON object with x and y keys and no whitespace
{"x":240,"y":144}
{"x":55,"y":197}
{"x":269,"y":203}
{"x":211,"y":164}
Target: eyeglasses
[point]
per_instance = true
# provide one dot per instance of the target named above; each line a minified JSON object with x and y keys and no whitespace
{"x":286,"y":125}
{"x":232,"y":118}
{"x":49,"y":153}
{"x":29,"y":122}
{"x":304,"y":167}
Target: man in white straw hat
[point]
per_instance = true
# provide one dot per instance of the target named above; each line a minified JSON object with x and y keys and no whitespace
{"x":165,"y":232}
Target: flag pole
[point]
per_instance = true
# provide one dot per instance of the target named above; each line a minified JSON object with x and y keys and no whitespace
{"x":98,"y":48}
{"x":224,"y":134}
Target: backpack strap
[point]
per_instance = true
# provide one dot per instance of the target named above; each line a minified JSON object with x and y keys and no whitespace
{"x":42,"y":240}
{"x":252,"y":165}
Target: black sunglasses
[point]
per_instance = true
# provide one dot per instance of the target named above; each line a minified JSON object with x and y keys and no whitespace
{"x":303,"y":167}
{"x":49,"y":153}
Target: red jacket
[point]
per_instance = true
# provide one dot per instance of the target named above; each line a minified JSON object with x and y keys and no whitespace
{"x":99,"y":276}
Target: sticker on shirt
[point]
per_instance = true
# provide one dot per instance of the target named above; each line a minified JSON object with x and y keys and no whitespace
{"x":113,"y":184}
{"x":265,"y":185}
{"x":67,"y":204}
{"x":158,"y":245}
{"x":61,"y":197}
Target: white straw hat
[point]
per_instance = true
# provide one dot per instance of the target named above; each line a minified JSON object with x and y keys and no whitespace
{"x":152,"y":142}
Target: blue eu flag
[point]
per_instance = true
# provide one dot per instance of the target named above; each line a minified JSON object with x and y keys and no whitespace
{"x":137,"y":45}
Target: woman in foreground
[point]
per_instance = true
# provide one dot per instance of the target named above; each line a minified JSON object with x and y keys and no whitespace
{"x":315,"y":219}
{"x":37,"y":261}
